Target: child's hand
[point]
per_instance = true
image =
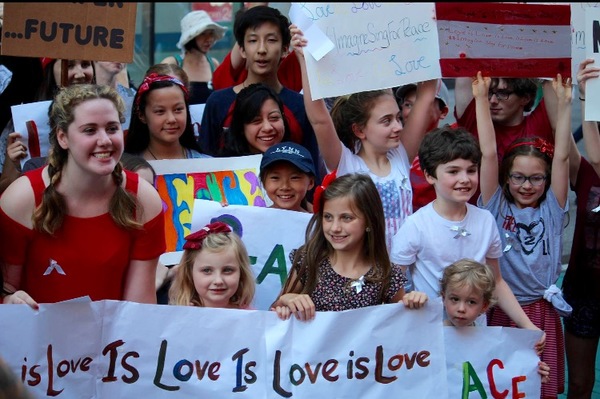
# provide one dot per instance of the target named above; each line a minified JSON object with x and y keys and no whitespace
{"x":414,"y":299}
{"x":283,"y":312}
{"x":298,"y":40}
{"x":15,"y":149}
{"x":481,"y":86}
{"x":540,"y":345}
{"x":544,"y":372}
{"x":562,"y":89}
{"x":584,"y":73}
{"x":301,"y":305}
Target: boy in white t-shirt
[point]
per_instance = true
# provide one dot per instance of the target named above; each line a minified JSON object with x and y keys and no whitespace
{"x":449,"y":228}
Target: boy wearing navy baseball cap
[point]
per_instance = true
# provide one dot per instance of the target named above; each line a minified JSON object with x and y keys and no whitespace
{"x":287,"y":173}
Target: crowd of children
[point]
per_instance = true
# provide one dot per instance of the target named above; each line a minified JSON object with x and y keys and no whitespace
{"x":489,"y":242}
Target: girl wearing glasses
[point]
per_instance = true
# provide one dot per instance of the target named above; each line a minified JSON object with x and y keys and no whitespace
{"x":527,"y":194}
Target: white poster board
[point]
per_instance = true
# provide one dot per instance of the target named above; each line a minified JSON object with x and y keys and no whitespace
{"x":376,"y":46}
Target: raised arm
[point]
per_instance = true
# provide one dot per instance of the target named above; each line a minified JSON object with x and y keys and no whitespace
{"x":591,"y":136}
{"x":328,"y":141}
{"x":550,"y":101}
{"x":562,"y":141}
{"x":488,"y":176}
{"x":420,"y":117}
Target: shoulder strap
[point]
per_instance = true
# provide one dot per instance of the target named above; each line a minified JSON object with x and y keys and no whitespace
{"x":132,"y":181}
{"x":179,"y":59}
{"x":37,"y":184}
{"x":211,"y":63}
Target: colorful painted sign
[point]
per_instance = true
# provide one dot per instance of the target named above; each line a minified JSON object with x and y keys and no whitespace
{"x":179,"y":182}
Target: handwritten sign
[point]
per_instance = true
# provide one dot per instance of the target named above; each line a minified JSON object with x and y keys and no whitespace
{"x":269,"y":236}
{"x":135,"y":350}
{"x":180,"y":181}
{"x":31,"y":121}
{"x":592,"y":86}
{"x":578,"y":42}
{"x":76,"y":30}
{"x":504,"y":39}
{"x":377,"y":46}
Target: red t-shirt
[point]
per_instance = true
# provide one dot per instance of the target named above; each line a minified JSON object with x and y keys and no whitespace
{"x":86,"y":256}
{"x":289,"y":74}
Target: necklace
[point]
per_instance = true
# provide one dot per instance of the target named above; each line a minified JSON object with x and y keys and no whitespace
{"x":183,"y":153}
{"x":151,"y":153}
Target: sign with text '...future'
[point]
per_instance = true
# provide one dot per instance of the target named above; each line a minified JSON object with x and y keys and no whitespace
{"x":86,"y":31}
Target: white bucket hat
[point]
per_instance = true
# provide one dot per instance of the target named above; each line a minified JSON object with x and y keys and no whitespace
{"x":196,"y":22}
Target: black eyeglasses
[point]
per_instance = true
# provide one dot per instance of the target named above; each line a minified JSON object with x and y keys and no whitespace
{"x":500,"y":94}
{"x":519,"y":180}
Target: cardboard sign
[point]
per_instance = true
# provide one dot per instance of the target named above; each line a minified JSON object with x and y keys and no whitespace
{"x":76,"y":31}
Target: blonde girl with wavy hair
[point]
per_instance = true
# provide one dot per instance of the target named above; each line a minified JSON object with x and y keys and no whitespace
{"x":214,"y":271}
{"x":81,"y":226}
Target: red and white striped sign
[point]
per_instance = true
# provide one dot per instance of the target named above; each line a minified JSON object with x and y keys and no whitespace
{"x":504,"y":39}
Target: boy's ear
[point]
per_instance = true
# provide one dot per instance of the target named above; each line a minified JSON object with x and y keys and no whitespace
{"x":311,"y":183}
{"x":285,"y":51}
{"x":444,"y":113}
{"x":430,"y":179}
{"x":486,"y":306}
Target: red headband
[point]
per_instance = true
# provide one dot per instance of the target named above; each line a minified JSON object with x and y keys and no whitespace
{"x":154,"y":77}
{"x":319,"y":190}
{"x":540,"y":144}
{"x":195,"y":240}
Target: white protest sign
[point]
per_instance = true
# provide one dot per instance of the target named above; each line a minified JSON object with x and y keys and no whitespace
{"x":377,"y":46}
{"x":269,"y":236}
{"x":31,"y":121}
{"x":578,"y":42}
{"x":473,"y":357}
{"x":135,"y":350}
{"x":592,"y":50}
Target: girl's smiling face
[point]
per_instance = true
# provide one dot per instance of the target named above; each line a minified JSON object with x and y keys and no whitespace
{"x":165,"y":114}
{"x":527,"y":194}
{"x":216,"y":277}
{"x":266,"y":129}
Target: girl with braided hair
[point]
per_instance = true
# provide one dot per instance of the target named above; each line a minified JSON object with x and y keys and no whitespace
{"x":81,"y":226}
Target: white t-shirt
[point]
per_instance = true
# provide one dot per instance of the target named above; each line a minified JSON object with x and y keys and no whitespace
{"x":429,"y":243}
{"x":394,"y":189}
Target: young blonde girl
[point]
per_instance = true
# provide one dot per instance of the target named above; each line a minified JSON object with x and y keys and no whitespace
{"x":344,"y":263}
{"x":364,"y":134}
{"x":467,"y":290}
{"x":214,"y":270}
{"x":528,"y":198}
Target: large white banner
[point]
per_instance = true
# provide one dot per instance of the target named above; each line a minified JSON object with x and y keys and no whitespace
{"x":112,"y":349}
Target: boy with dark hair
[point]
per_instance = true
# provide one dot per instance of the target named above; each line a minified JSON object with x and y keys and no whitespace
{"x":263,"y":36}
{"x":450,"y":228}
{"x":512,"y":103}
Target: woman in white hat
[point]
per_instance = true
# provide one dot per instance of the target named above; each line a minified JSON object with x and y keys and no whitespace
{"x":198,"y":34}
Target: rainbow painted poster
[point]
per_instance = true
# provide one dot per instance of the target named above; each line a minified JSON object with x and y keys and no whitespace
{"x":180,"y":181}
